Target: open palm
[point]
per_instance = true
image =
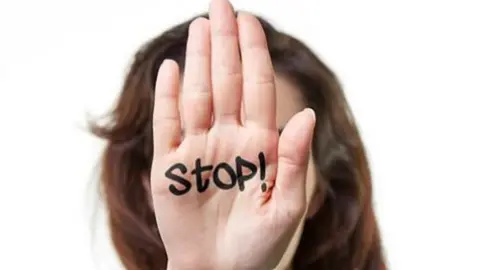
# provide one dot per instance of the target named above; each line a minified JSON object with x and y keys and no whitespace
{"x":228,"y":193}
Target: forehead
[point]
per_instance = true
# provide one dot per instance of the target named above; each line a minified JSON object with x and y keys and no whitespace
{"x":289,"y":100}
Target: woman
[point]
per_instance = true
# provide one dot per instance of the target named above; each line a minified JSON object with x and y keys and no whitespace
{"x":232,"y":147}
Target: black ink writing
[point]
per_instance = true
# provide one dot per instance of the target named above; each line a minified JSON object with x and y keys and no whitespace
{"x":241,"y":177}
{"x":235,"y":175}
{"x":178,"y":179}
{"x":231,"y":174}
{"x":201,"y":186}
{"x":261,"y":157}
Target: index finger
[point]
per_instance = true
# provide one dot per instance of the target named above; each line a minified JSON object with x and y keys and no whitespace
{"x":166,"y":115}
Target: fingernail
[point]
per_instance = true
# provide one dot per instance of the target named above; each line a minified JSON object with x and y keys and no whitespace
{"x":311,"y":112}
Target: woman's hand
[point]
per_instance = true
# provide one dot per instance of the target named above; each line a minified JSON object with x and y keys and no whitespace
{"x":228,"y":193}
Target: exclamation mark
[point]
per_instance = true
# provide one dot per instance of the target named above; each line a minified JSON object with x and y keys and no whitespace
{"x":261,"y":157}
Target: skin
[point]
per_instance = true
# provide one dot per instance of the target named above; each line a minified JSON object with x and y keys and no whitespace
{"x":289,"y":102}
{"x":248,"y":104}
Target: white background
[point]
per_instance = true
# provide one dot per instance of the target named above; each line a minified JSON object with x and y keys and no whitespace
{"x":411,"y":71}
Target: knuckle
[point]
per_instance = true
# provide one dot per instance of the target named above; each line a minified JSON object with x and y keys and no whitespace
{"x":295,"y":211}
{"x":263,"y":80}
{"x":224,"y":32}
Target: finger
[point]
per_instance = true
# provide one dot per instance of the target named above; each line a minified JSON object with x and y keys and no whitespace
{"x":226,"y":67}
{"x":166,"y":116}
{"x":197,"y":95}
{"x":293,"y":154}
{"x":259,"y":98}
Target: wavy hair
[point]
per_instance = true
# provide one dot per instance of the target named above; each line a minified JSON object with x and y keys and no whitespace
{"x":342,"y":235}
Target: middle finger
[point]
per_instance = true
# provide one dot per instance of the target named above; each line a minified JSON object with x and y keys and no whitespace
{"x":226,"y":66}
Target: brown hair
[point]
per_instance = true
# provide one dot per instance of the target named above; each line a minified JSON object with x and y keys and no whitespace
{"x":343,"y":234}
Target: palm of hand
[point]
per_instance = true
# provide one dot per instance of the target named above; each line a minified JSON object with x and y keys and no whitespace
{"x":214,"y":202}
{"x":212,"y":208}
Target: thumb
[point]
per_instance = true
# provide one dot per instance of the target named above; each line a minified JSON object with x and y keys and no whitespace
{"x":293,"y":155}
